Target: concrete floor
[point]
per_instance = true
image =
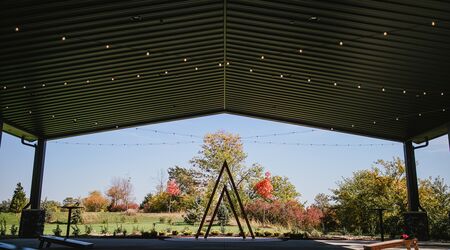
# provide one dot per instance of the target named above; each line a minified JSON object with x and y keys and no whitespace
{"x":219,"y":243}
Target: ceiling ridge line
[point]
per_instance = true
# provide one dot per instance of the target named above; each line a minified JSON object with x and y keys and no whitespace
{"x":225,"y":62}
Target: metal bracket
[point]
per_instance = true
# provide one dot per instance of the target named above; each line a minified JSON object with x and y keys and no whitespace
{"x":427,"y":142}
{"x":22,"y":139}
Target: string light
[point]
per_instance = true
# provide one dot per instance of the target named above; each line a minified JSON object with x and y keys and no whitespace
{"x":166,"y":72}
{"x":300,"y":51}
{"x":107,"y":46}
{"x":65,"y":83}
{"x":385,"y":33}
{"x":112,"y":79}
{"x":138,"y":75}
{"x":433,"y":23}
{"x":53,"y":116}
{"x":228,"y":63}
{"x":17,"y":29}
{"x":24,"y":87}
{"x":424,"y":93}
{"x":281,"y":75}
{"x":147,"y":54}
{"x":220,"y":64}
{"x":309,"y":80}
{"x":335,"y":83}
{"x":262,"y":57}
{"x":185,"y":60}
{"x":196,"y":68}
{"x":359,"y":86}
{"x":200,"y":142}
{"x":251,"y":70}
{"x":4,"y":87}
{"x":404,"y":91}
{"x":341,"y":43}
{"x":87,"y":81}
{"x":43,"y":85}
{"x":383,"y":89}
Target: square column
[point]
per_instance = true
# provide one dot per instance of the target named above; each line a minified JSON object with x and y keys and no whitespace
{"x":32,"y":220}
{"x":416,"y":221}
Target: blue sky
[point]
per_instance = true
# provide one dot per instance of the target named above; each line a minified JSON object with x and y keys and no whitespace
{"x":74,"y":170}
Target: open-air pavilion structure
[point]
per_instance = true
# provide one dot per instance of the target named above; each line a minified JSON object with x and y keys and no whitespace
{"x":371,"y":68}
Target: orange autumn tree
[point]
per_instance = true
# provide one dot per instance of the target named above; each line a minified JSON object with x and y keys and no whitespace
{"x":264,"y":189}
{"x":95,"y":202}
{"x":173,"y":190}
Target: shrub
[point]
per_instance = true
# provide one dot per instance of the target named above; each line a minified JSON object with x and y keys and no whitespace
{"x":135,"y":220}
{"x":13,"y":230}
{"x":75,"y":231}
{"x":215,"y":232}
{"x":187,"y":232}
{"x":267,"y":233}
{"x":276,"y":234}
{"x":162,"y":233}
{"x":315,"y":233}
{"x":2,"y":227}
{"x":229,"y":233}
{"x":258,"y":234}
{"x":135,"y":230}
{"x":57,"y":231}
{"x":174,"y":232}
{"x":152,"y":234}
{"x":88,"y":229}
{"x":162,"y":220}
{"x":194,"y":212}
{"x":104,"y":229}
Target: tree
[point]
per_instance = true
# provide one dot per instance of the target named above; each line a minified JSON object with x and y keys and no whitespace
{"x":5,"y":205}
{"x":95,"y":202}
{"x":120,"y":192}
{"x":187,"y":179}
{"x":194,"y":212}
{"x":264,"y":188}
{"x":51,"y":207}
{"x":283,"y":189}
{"x":173,"y":190}
{"x":435,"y":199}
{"x":146,"y":200}
{"x":217,"y":148}
{"x":18,"y":200}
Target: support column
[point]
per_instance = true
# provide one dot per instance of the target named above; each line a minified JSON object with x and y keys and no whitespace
{"x":38,"y":174}
{"x":32,"y":220}
{"x":416,"y":222}
{"x":411,"y":177}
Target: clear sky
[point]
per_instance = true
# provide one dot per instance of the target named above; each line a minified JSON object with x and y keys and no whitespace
{"x":74,"y":170}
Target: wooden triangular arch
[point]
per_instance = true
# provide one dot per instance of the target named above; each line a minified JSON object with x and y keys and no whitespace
{"x":227,"y":194}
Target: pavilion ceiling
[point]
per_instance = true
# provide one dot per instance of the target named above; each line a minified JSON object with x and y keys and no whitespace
{"x":374,"y":68}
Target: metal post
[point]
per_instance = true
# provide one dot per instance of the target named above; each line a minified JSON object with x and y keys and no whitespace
{"x":38,"y":174}
{"x":380,"y":217}
{"x":411,"y":177}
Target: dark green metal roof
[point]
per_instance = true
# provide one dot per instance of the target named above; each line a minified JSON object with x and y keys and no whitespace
{"x":71,"y":67}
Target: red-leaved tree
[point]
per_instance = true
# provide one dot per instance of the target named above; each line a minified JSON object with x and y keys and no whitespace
{"x":173,"y":189}
{"x":264,"y":189}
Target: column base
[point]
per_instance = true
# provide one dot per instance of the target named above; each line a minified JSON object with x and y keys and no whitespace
{"x":32,"y":223}
{"x":417,"y":223}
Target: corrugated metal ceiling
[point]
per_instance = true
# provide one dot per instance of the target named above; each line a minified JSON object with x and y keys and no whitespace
{"x":374,"y":68}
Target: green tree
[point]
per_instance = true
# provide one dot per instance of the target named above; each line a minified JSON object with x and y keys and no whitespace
{"x":383,"y":186}
{"x":18,"y":200}
{"x":283,"y":189}
{"x":435,"y":199}
{"x":51,"y":207}
{"x":186,"y":178}
{"x":217,"y":148}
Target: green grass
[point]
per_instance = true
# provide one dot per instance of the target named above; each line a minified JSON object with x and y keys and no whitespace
{"x":142,"y":221}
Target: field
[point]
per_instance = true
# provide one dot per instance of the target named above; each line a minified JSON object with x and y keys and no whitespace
{"x":132,"y":223}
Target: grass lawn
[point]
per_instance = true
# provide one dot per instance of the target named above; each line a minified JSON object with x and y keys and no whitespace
{"x":132,"y":223}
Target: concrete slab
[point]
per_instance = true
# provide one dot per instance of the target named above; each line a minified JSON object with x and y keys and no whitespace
{"x":219,"y":243}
